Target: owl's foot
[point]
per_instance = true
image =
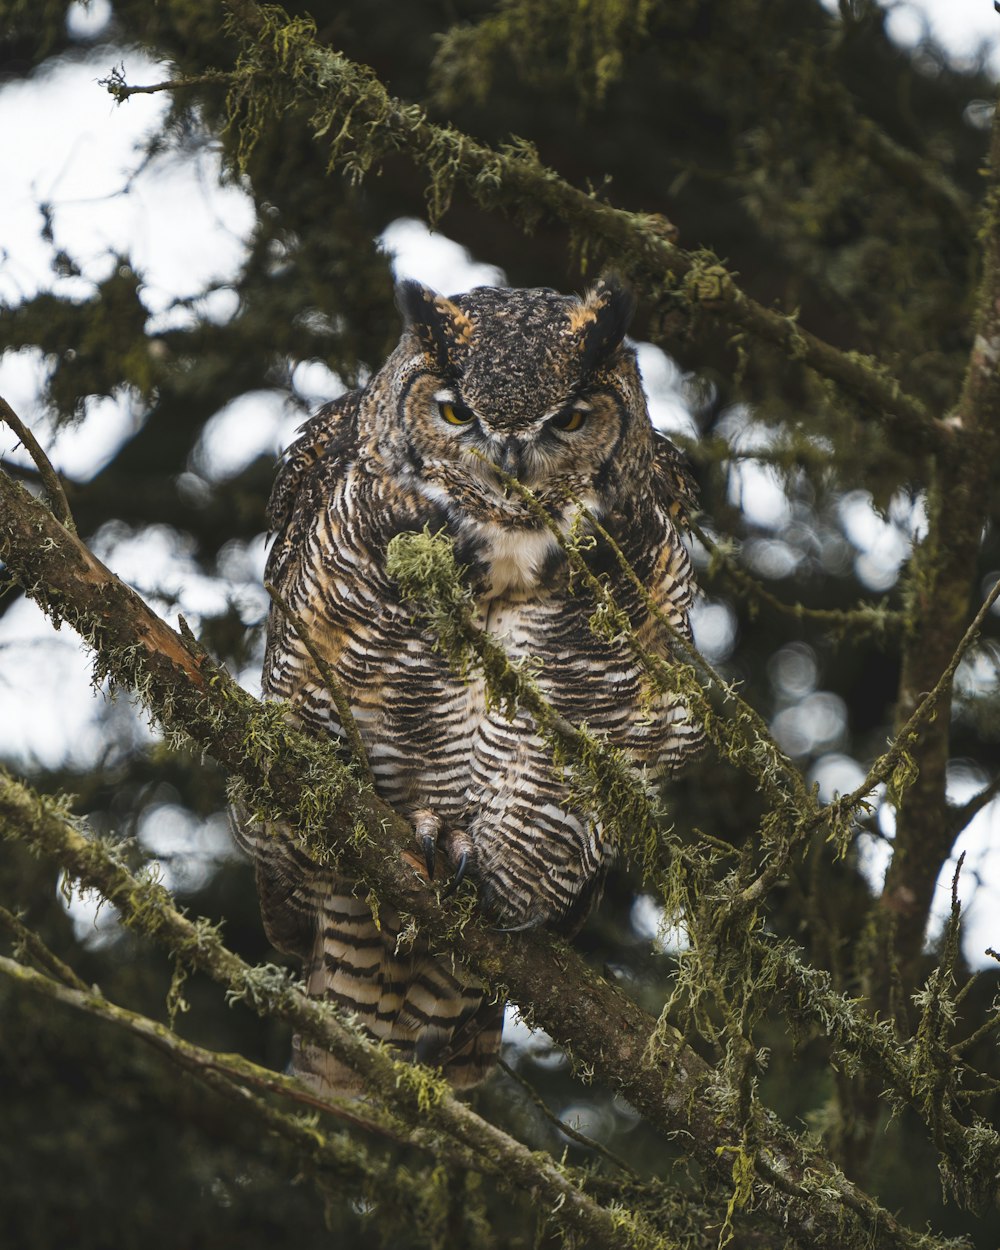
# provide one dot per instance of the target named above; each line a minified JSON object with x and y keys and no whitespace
{"x":455,"y":845}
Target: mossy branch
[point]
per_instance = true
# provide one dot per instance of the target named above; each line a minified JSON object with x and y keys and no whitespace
{"x":415,"y":1095}
{"x":304,"y":783}
{"x":359,"y":123}
{"x":331,"y":1160}
{"x":872,"y":618}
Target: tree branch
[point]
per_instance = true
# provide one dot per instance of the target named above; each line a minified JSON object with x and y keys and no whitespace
{"x":300,"y":780}
{"x":362,"y":123}
{"x":47,"y":474}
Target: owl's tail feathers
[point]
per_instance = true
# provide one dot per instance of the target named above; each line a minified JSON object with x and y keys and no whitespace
{"x":426,"y":1007}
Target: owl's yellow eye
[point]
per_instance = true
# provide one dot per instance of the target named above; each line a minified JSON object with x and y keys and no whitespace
{"x":454,"y":414}
{"x":569,"y":420}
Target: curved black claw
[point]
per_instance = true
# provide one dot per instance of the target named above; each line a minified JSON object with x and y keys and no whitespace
{"x":459,"y":876}
{"x":430,"y":847}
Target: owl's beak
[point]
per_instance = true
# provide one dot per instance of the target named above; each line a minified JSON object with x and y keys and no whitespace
{"x":511,"y":457}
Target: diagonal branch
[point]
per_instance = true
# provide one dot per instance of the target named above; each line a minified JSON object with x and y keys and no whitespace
{"x":302,"y":780}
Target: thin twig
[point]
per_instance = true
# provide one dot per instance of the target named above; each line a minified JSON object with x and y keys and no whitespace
{"x":561,"y":1125}
{"x":867,"y":616}
{"x":348,"y":725}
{"x":50,"y":478}
{"x":29,"y":941}
{"x":121,"y":90}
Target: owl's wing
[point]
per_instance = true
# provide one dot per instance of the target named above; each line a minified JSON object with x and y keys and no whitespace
{"x":673,"y":485}
{"x":663,"y":565}
{"x":325,"y":438}
{"x":291,"y":888}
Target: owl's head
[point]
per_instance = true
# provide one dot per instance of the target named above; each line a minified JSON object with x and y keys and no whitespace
{"x":535,"y":383}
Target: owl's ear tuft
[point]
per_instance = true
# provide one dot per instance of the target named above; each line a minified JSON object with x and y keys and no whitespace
{"x":440,"y":325}
{"x":602,"y":319}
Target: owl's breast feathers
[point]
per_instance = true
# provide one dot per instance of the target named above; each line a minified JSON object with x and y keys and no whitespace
{"x":433,"y":737}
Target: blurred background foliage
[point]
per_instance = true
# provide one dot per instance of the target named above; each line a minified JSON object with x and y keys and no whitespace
{"x":837,"y":174}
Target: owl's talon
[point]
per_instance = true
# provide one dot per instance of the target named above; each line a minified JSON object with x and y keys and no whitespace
{"x":430,"y":849}
{"x":458,"y":878}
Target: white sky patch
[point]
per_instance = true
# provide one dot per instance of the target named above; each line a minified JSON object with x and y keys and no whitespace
{"x":315,"y":383}
{"x":755,"y":488}
{"x":664,"y":385}
{"x":79,"y":450}
{"x":254,"y":424}
{"x":521,"y":1041}
{"x":816,"y":723}
{"x":187,"y":848}
{"x":649,"y":920}
{"x":50,"y":714}
{"x":87,"y":20}
{"x":66,"y":143}
{"x":435,"y":260}
{"x":793,"y":671}
{"x":714,"y":626}
{"x":959,"y":26}
{"x":979,"y":882}
{"x":881,"y":545}
{"x":95,"y":922}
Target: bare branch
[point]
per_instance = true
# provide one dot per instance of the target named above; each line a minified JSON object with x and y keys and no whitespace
{"x":49,"y":477}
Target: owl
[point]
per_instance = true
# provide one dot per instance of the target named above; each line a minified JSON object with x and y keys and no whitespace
{"x":543,"y":387}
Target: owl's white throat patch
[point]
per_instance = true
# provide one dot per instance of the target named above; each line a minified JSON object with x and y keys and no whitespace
{"x":517,"y":556}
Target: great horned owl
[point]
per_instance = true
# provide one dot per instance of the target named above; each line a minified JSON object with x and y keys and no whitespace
{"x":542,"y":386}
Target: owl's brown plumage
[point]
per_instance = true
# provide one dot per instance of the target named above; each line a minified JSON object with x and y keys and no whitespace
{"x":540,"y":385}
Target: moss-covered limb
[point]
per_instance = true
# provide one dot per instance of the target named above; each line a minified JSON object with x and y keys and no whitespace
{"x":415,"y":1096}
{"x":330,"y":1159}
{"x":196,"y":1059}
{"x":46,"y":473}
{"x":28,"y":943}
{"x":333,"y":684}
{"x":606,"y":1031}
{"x":808,"y":1202}
{"x":360,"y":123}
{"x":928,"y":1077}
{"x":873,"y":618}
